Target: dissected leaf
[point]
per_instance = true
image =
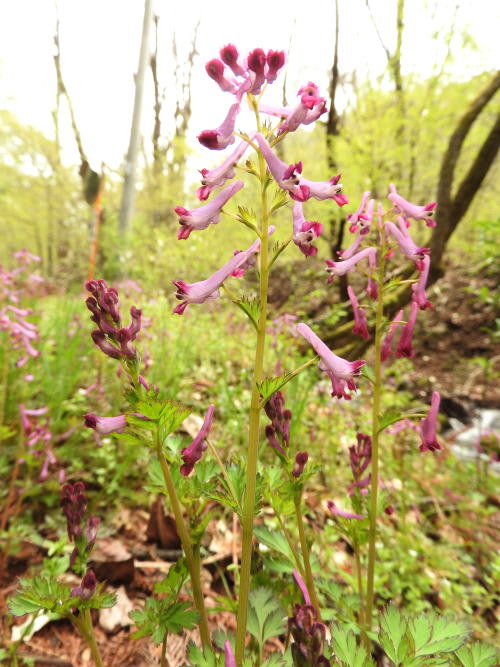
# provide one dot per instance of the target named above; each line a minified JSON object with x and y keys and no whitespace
{"x":272,"y":384}
{"x":388,"y":418}
{"x":437,"y":634}
{"x":251,"y":308}
{"x":478,"y":655}
{"x":393,"y":628}
{"x":274,"y":540}
{"x":174,"y":580}
{"x":266,"y":616}
{"x":41,"y":593}
{"x":345,"y":646}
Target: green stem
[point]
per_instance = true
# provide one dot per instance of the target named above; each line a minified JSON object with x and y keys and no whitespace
{"x":164,"y":661}
{"x":193,"y":567}
{"x":309,"y":580}
{"x":296,"y":558}
{"x":83,"y":623}
{"x":377,"y":394}
{"x":253,"y":434}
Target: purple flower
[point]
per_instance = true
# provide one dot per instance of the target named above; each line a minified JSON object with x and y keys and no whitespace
{"x":407,"y":245}
{"x":340,"y":371}
{"x":213,"y":178}
{"x":87,"y":586}
{"x":302,"y":586}
{"x":372,"y":286}
{"x":311,"y":115}
{"x":209,"y":289}
{"x":209,"y":214}
{"x":229,"y":659}
{"x":386,"y":348}
{"x":194,"y":452}
{"x":343,"y":267}
{"x":305,"y":231}
{"x":301,"y":459}
{"x":412,"y":210}
{"x":360,"y":322}
{"x":256,"y":63}
{"x":286,"y":176}
{"x":278,"y":431}
{"x":428,"y":426}
{"x":336,"y":511}
{"x":105,"y":425}
{"x":73,"y":503}
{"x":419,"y":288}
{"x":309,"y":636}
{"x":215,"y":70}
{"x":331,"y":189}
{"x":405,"y":344}
{"x":222,"y":136}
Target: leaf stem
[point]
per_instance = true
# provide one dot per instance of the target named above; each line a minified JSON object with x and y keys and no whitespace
{"x":194,"y":570}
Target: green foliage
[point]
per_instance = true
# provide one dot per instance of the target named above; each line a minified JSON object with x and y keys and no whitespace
{"x":271,"y":385}
{"x":266,"y":617}
{"x":347,"y":650}
{"x":478,"y":655}
{"x":161,"y":616}
{"x":47,"y":594}
{"x":251,"y":308}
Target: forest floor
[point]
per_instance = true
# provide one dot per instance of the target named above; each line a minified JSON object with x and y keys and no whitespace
{"x":143,"y":543}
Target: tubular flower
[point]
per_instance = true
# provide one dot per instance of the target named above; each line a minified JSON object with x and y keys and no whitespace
{"x":352,"y":249}
{"x":301,"y":459}
{"x":409,"y":210}
{"x":407,"y":245}
{"x":275,"y":61}
{"x":87,"y":586}
{"x":213,"y":178}
{"x":230,"y":57}
{"x":336,"y":511}
{"x":310,"y":108}
{"x":341,"y":268}
{"x":222,"y":136}
{"x":278,"y":431}
{"x":209,"y":214}
{"x":286,"y":176}
{"x":419,"y":288}
{"x":354,"y":219}
{"x":105,"y":425}
{"x":215,"y":70}
{"x":305,"y":231}
{"x":372,"y":286}
{"x":74,"y":503}
{"x":340,"y":371}
{"x":405,"y":346}
{"x":194,"y":452}
{"x":386,"y":348}
{"x":331,"y":189}
{"x":360,"y":322}
{"x":229,"y":659}
{"x":256,"y":63}
{"x":209,"y":289}
{"x":311,"y":116}
{"x":309,"y":636}
{"x":428,"y":426}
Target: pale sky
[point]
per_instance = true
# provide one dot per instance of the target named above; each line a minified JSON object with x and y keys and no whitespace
{"x":100,"y":48}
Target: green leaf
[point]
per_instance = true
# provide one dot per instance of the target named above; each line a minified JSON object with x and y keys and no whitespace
{"x":174,"y":580}
{"x":280,"y":199}
{"x":345,"y":646}
{"x":41,"y":593}
{"x":251,"y":308}
{"x":274,"y":540}
{"x":437,"y":634}
{"x":389,"y":417}
{"x":266,"y":616}
{"x":393,"y":628}
{"x":478,"y":655}
{"x":172,"y":415}
{"x":367,"y":372}
{"x":180,"y":616}
{"x":207,"y":659}
{"x":271,"y":385}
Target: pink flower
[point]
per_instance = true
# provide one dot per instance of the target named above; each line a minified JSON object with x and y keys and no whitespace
{"x":341,"y":268}
{"x":387,"y":342}
{"x":407,"y":245}
{"x":209,"y":289}
{"x":213,"y":178}
{"x":405,"y":344}
{"x":194,"y":452}
{"x":419,"y":288}
{"x":311,"y":115}
{"x":229,"y":659}
{"x":428,"y":426}
{"x":105,"y":425}
{"x":301,"y":459}
{"x":412,"y":210}
{"x":360,"y":322}
{"x":256,"y":63}
{"x":209,"y":214}
{"x":286,"y":176}
{"x":340,"y":371}
{"x":358,"y":216}
{"x":372,"y":286}
{"x":302,"y":586}
{"x":305,"y":231}
{"x":215,"y":70}
{"x":222,"y":136}
{"x":229,"y":55}
{"x":331,"y":189}
{"x":275,"y":61}
{"x":336,"y":511}
{"x":352,"y":249}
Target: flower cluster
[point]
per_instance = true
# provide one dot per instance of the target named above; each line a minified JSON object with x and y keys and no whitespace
{"x":192,"y":454}
{"x":360,"y":457}
{"x":110,"y":337}
{"x":278,"y":431}
{"x":38,"y":438}
{"x":74,"y":504}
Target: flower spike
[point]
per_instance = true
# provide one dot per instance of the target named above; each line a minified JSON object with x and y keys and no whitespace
{"x":286,"y":176}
